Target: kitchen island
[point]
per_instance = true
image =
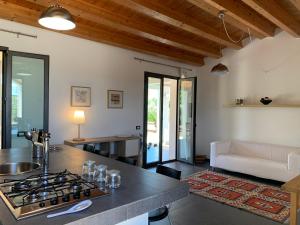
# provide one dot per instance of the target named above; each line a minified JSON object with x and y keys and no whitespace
{"x":141,"y":191}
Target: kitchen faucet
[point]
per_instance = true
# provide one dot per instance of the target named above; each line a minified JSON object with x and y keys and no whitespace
{"x":46,"y":138}
{"x":43,"y":142}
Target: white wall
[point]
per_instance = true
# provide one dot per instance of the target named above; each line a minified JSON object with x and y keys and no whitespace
{"x":268,"y":67}
{"x":75,"y":61}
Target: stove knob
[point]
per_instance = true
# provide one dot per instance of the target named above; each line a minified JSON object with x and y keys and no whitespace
{"x":87,"y":192}
{"x":54,"y":201}
{"x":76,"y":195}
{"x":42,"y":204}
{"x":66,"y":198}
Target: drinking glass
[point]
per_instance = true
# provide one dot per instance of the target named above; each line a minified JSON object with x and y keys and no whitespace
{"x":88,"y":169}
{"x":113,"y":178}
{"x":100,"y":173}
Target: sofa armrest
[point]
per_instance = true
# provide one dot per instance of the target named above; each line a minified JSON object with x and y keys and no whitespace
{"x":217,"y":148}
{"x":294,"y":161}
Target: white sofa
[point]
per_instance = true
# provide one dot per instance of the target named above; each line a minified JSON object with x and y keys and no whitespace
{"x":269,"y":161}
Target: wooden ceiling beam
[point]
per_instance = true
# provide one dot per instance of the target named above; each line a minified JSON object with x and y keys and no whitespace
{"x":135,"y":45}
{"x":296,"y":3}
{"x":84,"y":29}
{"x":100,"y":14}
{"x":277,"y":14}
{"x":228,"y":19}
{"x":178,"y":20}
{"x":243,"y":13}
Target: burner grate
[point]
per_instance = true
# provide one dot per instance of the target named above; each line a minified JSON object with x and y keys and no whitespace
{"x":41,"y":188}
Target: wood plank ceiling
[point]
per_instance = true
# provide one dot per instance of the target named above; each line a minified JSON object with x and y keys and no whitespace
{"x":181,"y":30}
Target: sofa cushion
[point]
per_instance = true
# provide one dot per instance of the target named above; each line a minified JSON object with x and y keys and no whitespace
{"x":254,"y":166}
{"x":250,"y":149}
{"x":273,"y":152}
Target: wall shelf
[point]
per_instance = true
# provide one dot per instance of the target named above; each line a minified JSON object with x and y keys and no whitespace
{"x":263,"y":106}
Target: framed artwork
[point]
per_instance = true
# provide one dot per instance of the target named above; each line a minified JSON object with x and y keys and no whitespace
{"x":115,"y":99}
{"x":80,"y":96}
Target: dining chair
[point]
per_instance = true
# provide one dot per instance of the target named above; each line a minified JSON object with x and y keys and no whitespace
{"x":89,"y":148}
{"x":163,"y":212}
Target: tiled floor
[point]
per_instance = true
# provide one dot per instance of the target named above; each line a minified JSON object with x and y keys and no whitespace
{"x":196,"y":210}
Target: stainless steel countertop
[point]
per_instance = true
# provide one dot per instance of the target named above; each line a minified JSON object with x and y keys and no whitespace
{"x":141,"y":191}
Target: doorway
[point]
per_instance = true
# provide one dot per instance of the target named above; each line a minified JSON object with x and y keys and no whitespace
{"x":25,"y":93}
{"x":3,"y":58}
{"x":186,"y":120}
{"x":167,"y":135}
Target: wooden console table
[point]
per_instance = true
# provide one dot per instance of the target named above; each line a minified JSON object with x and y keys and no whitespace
{"x":99,"y":140}
{"x":293,"y":186}
{"x":121,"y":145}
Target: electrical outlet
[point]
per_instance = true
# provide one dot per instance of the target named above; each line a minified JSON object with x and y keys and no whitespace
{"x":137,"y":127}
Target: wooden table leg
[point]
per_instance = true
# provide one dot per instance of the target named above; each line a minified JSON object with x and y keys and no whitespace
{"x":294,"y":207}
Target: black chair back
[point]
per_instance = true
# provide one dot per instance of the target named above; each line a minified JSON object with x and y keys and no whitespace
{"x":167,"y":171}
{"x":88,"y":147}
{"x":127,"y":160}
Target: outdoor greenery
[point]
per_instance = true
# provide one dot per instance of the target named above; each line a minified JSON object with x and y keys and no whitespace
{"x":152,"y":110}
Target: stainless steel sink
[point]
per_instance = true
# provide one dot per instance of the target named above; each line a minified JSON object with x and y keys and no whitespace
{"x":17,"y":168}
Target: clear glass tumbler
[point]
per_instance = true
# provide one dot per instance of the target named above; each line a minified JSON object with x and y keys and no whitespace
{"x":88,"y":169}
{"x":100,"y":173}
{"x":113,"y":178}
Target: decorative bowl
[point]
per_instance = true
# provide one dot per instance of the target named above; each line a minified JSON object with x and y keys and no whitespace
{"x":265,"y":100}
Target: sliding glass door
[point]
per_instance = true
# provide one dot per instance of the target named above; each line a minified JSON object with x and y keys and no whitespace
{"x":27,"y":96}
{"x":169,"y":119}
{"x":160,"y":115}
{"x":153,"y":118}
{"x":186,"y":120}
{"x":3,"y":51}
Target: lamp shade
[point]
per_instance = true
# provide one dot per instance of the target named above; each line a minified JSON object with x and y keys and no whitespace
{"x":79,"y":117}
{"x":57,"y":18}
{"x":219,"y":70}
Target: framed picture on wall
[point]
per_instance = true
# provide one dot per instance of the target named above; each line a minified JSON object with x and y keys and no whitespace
{"x":115,"y":99}
{"x":80,"y":96}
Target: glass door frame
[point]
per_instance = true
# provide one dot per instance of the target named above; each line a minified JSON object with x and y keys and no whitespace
{"x":148,"y":75}
{"x":7,"y":88}
{"x":4,"y":51}
{"x":194,"y":80}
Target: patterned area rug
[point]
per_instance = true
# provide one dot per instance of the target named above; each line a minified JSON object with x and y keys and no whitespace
{"x":261,"y":199}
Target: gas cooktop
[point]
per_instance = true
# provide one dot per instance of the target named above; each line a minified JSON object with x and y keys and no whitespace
{"x":44,"y":192}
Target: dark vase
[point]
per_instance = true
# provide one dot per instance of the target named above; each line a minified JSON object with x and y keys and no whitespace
{"x":266,"y":100}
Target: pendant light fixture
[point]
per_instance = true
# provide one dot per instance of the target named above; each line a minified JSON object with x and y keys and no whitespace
{"x":220,"y":69}
{"x":57,"y":18}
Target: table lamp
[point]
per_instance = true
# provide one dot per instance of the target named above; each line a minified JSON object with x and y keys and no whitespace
{"x":79,"y":118}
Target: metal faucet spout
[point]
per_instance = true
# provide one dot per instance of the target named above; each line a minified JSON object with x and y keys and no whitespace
{"x":46,"y":138}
